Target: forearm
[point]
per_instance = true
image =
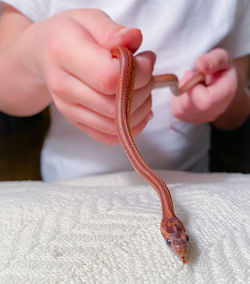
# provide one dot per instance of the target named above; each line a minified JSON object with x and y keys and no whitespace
{"x":237,"y":112}
{"x":21,"y":92}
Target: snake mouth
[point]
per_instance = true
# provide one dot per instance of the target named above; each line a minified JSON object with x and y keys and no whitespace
{"x":180,"y":247}
{"x":180,"y":251}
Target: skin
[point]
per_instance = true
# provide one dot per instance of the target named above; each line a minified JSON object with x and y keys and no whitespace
{"x":43,"y":67}
{"x":224,"y":101}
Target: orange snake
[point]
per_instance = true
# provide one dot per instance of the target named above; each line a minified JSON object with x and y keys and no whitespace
{"x":171,"y":227}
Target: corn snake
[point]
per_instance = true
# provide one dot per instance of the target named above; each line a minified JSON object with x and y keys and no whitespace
{"x":172,"y":229}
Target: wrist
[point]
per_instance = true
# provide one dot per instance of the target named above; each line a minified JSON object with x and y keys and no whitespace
{"x":27,"y":53}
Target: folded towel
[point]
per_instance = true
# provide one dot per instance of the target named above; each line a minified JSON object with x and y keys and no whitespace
{"x":105,"y":229}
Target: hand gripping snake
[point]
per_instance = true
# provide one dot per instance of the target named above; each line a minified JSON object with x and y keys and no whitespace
{"x":172,"y":229}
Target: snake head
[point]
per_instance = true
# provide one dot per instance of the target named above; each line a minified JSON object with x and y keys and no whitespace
{"x":175,"y":235}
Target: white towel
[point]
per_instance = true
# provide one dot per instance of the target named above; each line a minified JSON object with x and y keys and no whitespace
{"x":105,"y":229}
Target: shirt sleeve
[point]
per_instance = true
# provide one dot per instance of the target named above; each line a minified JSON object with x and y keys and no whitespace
{"x":35,"y":10}
{"x":237,"y":42}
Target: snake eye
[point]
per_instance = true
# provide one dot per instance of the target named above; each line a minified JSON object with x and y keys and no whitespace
{"x":168,"y":242}
{"x":187,"y":238}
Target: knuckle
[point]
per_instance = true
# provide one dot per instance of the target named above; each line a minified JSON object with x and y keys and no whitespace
{"x":98,"y":12}
{"x":56,"y":85}
{"x":55,"y":44}
{"x":222,"y":57}
{"x":110,"y":128}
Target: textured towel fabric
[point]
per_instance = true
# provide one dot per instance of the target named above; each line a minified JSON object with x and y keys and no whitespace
{"x":106,"y":230}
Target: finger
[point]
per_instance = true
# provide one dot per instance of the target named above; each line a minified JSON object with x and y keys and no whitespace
{"x":97,"y":135}
{"x":73,"y":91}
{"x":107,"y":138}
{"x":206,"y":103}
{"x":190,"y":80}
{"x":141,"y":113}
{"x":80,"y":114}
{"x":219,"y":93}
{"x":144,"y":67}
{"x":136,"y":130}
{"x":140,"y":96}
{"x":186,"y":111}
{"x":94,"y":65}
{"x":106,"y":32}
{"x":96,"y":121}
{"x":215,"y":60}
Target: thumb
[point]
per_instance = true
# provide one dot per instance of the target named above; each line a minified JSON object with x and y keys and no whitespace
{"x":216,"y":60}
{"x":107,"y":33}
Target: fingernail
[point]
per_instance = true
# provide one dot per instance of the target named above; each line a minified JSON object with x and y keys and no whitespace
{"x":122,"y":32}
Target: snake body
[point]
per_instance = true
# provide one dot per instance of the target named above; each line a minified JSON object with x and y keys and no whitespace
{"x":172,"y":229}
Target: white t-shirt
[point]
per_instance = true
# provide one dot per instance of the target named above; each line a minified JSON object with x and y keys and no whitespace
{"x":178,"y":32}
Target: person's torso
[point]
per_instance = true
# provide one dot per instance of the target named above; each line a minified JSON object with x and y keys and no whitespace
{"x":177,"y":32}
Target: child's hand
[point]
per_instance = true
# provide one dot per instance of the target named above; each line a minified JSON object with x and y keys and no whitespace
{"x":72,"y":57}
{"x":206,"y":103}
